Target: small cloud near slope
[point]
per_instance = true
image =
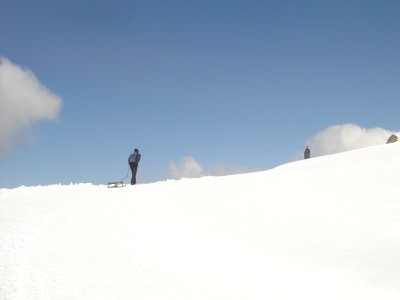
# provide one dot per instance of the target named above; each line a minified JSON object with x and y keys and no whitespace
{"x":346,"y":137}
{"x":188,"y":167}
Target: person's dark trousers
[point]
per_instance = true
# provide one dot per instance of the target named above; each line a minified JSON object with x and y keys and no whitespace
{"x":134,"y":171}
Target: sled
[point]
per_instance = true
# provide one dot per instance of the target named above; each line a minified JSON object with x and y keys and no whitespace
{"x":116,"y":184}
{"x":119,"y":183}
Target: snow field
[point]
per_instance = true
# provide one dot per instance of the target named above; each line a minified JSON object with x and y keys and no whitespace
{"x":323,"y":228}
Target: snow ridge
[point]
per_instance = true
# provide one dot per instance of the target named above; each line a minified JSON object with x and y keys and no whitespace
{"x":323,"y":228}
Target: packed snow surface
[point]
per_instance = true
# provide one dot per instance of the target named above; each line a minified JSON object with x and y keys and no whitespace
{"x":323,"y":228}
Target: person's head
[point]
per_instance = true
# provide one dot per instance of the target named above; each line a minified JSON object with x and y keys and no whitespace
{"x":136,"y":150}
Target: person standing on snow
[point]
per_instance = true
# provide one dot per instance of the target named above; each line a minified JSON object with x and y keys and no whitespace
{"x":133,"y":162}
{"x":307,"y":153}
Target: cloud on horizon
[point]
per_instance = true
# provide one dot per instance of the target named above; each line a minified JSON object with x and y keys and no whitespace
{"x":188,"y":167}
{"x":23,"y":102}
{"x":346,"y":137}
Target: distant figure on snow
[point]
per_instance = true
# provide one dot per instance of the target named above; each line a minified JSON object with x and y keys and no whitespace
{"x":392,"y":139}
{"x":133,"y":162}
{"x":307,"y":153}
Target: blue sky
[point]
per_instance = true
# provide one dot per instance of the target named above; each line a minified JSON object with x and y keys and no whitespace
{"x":227,"y":86}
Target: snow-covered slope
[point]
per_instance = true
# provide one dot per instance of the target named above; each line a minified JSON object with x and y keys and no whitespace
{"x":323,"y":228}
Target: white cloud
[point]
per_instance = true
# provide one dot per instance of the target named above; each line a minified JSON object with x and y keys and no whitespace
{"x":345,"y":137}
{"x":190,"y":168}
{"x":223,"y":168}
{"x":23,"y":102}
{"x":187,"y":168}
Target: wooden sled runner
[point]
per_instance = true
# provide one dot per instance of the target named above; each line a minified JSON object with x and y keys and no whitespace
{"x":116,"y":184}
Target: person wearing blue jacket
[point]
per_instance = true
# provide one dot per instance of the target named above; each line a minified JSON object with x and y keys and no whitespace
{"x":133,"y":162}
